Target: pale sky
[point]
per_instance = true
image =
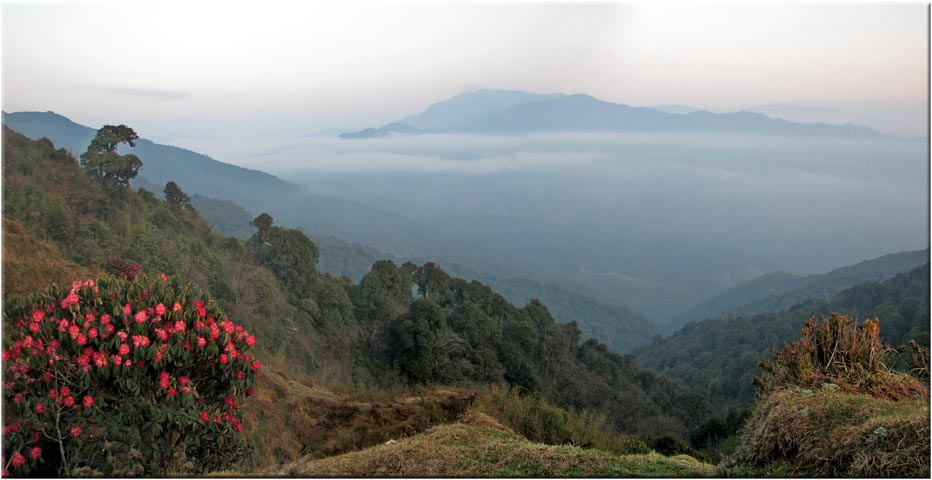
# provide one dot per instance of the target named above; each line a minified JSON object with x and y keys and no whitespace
{"x":215,"y":69}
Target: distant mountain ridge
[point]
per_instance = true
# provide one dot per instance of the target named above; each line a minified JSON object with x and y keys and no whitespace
{"x":508,"y":112}
{"x":779,"y":290}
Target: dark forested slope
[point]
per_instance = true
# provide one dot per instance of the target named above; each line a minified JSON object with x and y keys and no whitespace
{"x":775,"y":291}
{"x":720,"y":355}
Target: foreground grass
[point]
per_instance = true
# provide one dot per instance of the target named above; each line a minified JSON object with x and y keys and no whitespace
{"x":286,"y":420}
{"x":478,"y":446}
{"x":826,"y":433}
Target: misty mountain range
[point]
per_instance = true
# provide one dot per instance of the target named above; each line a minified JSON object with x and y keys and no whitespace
{"x":603,"y":262}
{"x":508,"y":112}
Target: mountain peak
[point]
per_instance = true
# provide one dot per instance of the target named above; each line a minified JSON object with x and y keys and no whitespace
{"x":516,"y":112}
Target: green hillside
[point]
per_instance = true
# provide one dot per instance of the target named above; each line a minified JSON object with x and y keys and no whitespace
{"x":620,"y":328}
{"x":374,"y":338}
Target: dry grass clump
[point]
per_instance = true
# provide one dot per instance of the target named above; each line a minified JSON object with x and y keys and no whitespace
{"x":827,"y":433}
{"x":838,"y":351}
{"x":832,"y":406}
{"x":479,"y":446}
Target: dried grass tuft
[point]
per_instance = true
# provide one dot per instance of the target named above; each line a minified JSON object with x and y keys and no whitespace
{"x":837,"y":351}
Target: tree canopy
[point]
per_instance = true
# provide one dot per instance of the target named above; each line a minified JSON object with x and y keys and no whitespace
{"x":102,"y":161}
{"x":175,"y":196}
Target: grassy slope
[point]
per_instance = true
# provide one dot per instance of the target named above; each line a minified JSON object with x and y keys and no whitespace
{"x":286,"y":419}
{"x":797,"y":432}
{"x":477,"y":446}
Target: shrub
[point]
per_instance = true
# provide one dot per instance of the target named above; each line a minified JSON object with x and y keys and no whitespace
{"x":841,"y":354}
{"x":122,"y":378}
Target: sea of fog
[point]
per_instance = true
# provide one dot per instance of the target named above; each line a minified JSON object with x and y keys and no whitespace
{"x":803,"y":205}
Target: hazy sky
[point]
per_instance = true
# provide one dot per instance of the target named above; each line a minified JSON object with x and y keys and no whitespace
{"x":188,"y":69}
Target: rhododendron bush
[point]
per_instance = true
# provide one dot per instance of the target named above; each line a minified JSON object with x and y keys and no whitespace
{"x":122,"y":378}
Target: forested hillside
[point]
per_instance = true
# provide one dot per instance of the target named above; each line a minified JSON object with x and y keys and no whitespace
{"x":399,"y":327}
{"x":619,"y":327}
{"x":719,"y":356}
{"x":779,"y":290}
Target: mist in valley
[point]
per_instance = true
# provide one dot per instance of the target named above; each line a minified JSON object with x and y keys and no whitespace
{"x":620,"y":215}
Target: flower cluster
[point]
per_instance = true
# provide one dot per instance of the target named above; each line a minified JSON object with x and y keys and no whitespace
{"x":75,"y":355}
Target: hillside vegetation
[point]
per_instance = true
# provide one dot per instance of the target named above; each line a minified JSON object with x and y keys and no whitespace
{"x":478,"y":446}
{"x":345,"y":350}
{"x":620,"y":328}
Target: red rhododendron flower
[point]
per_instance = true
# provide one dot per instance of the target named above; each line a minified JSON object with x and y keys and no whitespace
{"x":70,"y":300}
{"x":172,"y":392}
{"x":65,"y":391}
{"x":82,"y":339}
{"x":142,"y":316}
{"x":176,"y":307}
{"x":205,"y":417}
{"x":76,"y":431}
{"x":40,"y":407}
{"x":105,"y":318}
{"x":164,"y":279}
{"x":92,"y":333}
{"x":34,"y":327}
{"x":35,"y":453}
{"x":88,"y":401}
{"x":201,"y":341}
{"x":224,"y":358}
{"x":124,"y":349}
{"x":164,"y":379}
{"x":160,"y":309}
{"x":161,"y":334}
{"x":200,"y":309}
{"x":183,"y":381}
{"x":100,"y":359}
{"x":18,"y":459}
{"x":38,"y":315}
{"x":11,"y":428}
{"x":53,"y":394}
{"x":127,"y":309}
{"x":250,"y":340}
{"x":255,"y":364}
{"x":68,"y":401}
{"x":180,"y":326}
